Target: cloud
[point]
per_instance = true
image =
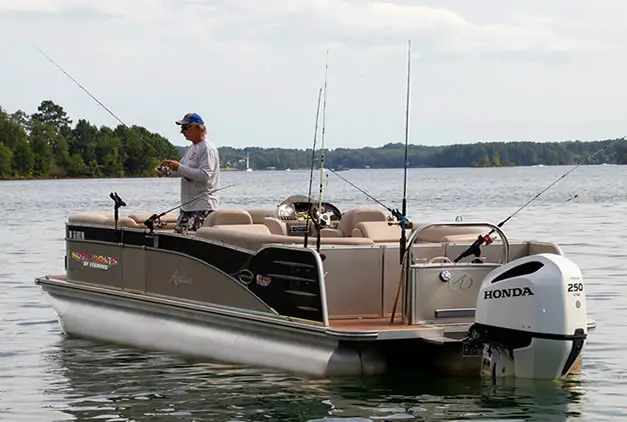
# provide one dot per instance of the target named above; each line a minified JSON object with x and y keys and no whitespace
{"x":375,"y":24}
{"x":128,"y":10}
{"x":486,"y":69}
{"x":254,"y":24}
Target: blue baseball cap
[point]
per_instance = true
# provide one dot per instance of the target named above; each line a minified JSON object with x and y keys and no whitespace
{"x":191,"y":118}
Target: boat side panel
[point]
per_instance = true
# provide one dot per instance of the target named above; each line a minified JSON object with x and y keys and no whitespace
{"x":179,"y":276}
{"x":353,"y":281}
{"x":98,"y":263}
{"x":227,"y":259}
{"x":392,"y":271}
{"x":134,"y":269}
{"x":288,"y":280}
{"x":543,"y":247}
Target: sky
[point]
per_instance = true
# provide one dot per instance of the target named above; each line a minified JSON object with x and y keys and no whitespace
{"x":481,"y":70}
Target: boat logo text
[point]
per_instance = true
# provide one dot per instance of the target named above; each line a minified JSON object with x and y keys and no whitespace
{"x":178,"y":279}
{"x":510,"y":292}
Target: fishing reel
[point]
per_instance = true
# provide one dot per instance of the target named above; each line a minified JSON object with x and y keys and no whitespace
{"x":396,"y":218}
{"x":164,"y":170}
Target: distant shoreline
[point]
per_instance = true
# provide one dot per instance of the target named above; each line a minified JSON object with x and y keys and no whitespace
{"x":33,"y":178}
{"x":48,"y":145}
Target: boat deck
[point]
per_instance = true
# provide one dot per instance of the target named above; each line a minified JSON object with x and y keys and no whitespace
{"x":383,"y":324}
{"x":372,"y":324}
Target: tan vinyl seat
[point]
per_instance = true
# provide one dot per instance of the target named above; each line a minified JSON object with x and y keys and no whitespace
{"x":124,"y":222}
{"x":143,"y":216}
{"x":242,"y":236}
{"x":275,"y":225}
{"x":168,"y":221}
{"x":246,"y":228}
{"x":90,"y":217}
{"x":351,"y":218}
{"x":228,"y":216}
{"x":444,"y":234}
{"x":259,"y":214}
{"x":379,"y":231}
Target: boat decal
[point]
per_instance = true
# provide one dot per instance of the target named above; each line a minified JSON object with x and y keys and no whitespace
{"x":263,"y":281}
{"x":102,"y":262}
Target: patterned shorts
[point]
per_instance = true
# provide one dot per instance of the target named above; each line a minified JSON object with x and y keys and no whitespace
{"x":190,"y":221}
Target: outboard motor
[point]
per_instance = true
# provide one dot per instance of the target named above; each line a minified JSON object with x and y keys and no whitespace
{"x":531,"y":318}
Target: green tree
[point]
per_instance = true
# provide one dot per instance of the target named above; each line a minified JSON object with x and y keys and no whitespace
{"x":83,"y":139}
{"x":6,"y":157}
{"x":22,"y":119}
{"x":621,"y":154}
{"x":53,"y":114}
{"x":76,"y":167}
{"x":11,"y":132}
{"x":40,"y":139}
{"x":23,"y":159}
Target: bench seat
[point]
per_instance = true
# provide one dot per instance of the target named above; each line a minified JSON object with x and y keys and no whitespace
{"x":254,"y":236}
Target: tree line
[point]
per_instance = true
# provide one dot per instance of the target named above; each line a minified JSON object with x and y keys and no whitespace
{"x":47,"y":144}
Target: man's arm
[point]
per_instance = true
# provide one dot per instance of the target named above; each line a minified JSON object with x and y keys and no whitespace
{"x":200,"y":174}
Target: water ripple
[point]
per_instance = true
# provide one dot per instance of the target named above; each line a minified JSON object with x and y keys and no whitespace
{"x":47,"y":376}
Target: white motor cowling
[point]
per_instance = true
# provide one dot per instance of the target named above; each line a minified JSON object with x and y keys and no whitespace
{"x":531,"y":318}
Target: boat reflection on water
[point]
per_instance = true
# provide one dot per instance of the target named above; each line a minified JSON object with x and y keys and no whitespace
{"x":115,"y":383}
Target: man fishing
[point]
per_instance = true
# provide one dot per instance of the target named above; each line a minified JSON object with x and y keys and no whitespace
{"x":199,"y":170}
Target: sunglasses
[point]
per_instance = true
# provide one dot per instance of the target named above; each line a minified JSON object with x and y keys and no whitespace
{"x":185,"y":127}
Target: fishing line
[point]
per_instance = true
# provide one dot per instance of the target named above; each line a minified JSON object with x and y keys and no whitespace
{"x":395,"y":212}
{"x":104,"y":107}
{"x":474,"y":248}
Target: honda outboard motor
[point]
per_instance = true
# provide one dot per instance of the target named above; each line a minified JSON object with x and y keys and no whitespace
{"x":531,"y":318}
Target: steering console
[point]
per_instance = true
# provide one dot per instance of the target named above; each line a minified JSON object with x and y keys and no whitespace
{"x":299,"y":208}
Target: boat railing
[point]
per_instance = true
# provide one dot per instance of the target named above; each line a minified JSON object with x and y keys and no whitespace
{"x":456,"y":297}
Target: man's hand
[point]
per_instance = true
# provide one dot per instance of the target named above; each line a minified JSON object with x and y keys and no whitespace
{"x":173,"y":164}
{"x":158,"y":171}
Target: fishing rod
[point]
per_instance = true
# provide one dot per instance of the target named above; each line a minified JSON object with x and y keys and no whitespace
{"x":403,"y":219}
{"x":474,"y":249}
{"x":401,"y":216}
{"x":150,"y":221}
{"x":313,"y":159}
{"x":403,"y":222}
{"x":324,"y":114}
{"x":162,"y":167}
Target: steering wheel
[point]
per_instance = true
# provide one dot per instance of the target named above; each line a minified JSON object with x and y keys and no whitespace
{"x":327,"y":213}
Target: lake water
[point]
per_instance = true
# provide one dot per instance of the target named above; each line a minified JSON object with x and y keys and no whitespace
{"x":47,"y":377}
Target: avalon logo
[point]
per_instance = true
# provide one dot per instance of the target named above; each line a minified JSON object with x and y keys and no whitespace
{"x":511,"y":292}
{"x":246,"y":276}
